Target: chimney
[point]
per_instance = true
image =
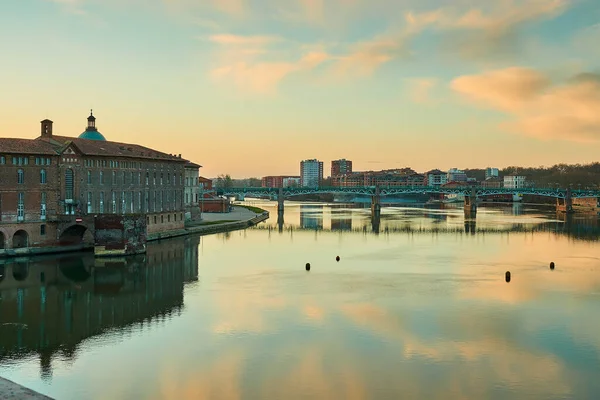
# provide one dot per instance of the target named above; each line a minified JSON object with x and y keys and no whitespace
{"x":180,"y":156}
{"x":46,"y":128}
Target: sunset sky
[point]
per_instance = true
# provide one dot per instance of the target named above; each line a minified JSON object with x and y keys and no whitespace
{"x":251,"y":87}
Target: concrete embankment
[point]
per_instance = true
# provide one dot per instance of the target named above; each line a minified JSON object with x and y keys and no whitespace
{"x":13,"y":391}
{"x":241,"y":219}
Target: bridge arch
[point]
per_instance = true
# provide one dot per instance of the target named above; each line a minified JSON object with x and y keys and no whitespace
{"x":73,"y":235}
{"x":20,"y":271}
{"x":20,"y":239}
{"x":74,"y":269}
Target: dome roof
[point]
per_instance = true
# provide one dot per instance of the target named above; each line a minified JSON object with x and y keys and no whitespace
{"x":92,"y":135}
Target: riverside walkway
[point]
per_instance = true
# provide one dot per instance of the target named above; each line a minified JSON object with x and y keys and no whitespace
{"x":12,"y":391}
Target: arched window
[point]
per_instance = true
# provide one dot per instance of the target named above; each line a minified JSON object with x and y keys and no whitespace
{"x":42,"y":176}
{"x":20,"y":176}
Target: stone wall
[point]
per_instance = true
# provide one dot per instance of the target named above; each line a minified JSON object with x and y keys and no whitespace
{"x":119,"y":234}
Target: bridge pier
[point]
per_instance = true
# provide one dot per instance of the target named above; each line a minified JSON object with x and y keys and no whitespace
{"x":566,"y":206}
{"x":280,"y":221}
{"x":280,"y":202}
{"x":376,"y":204}
{"x":471,"y":204}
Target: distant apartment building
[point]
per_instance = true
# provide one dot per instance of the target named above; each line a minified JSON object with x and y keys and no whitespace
{"x":311,"y":173}
{"x":492,"y":183}
{"x":341,"y":167}
{"x":379,"y":178}
{"x":491,"y":173}
{"x":280,"y":181}
{"x":291,"y":181}
{"x":456,"y":175}
{"x":436,"y":178}
{"x":514,"y":182}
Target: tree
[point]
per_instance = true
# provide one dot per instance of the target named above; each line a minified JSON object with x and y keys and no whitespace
{"x":224,"y":182}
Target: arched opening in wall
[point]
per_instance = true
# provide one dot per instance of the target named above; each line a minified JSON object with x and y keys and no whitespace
{"x":73,"y":235}
{"x":73,"y":268}
{"x":2,"y":238}
{"x":20,"y":271}
{"x":20,"y":239}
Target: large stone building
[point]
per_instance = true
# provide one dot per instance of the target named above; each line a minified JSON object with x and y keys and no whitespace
{"x":192,"y":190}
{"x":52,"y":187}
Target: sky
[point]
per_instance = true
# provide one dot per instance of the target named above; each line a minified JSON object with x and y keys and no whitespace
{"x":252,"y":87}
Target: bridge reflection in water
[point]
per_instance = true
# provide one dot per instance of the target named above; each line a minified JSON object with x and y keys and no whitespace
{"x":311,"y":218}
{"x":49,"y":306}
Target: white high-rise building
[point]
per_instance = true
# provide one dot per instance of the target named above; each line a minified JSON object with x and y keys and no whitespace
{"x":514,"y":182}
{"x":456,"y":175}
{"x":311,"y":172}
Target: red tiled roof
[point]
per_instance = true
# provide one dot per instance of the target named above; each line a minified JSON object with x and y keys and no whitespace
{"x":190,"y":164}
{"x":108,"y":148}
{"x":26,"y":146}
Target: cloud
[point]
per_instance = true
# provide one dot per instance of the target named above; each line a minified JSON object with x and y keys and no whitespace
{"x":420,"y":89}
{"x":228,"y":39}
{"x":263,"y":77}
{"x":476,"y":33}
{"x":540,"y":108}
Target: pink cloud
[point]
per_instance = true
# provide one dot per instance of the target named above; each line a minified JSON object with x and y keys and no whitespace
{"x":263,"y":77}
{"x":566,"y":111}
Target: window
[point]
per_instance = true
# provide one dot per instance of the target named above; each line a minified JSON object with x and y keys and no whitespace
{"x":14,"y":160}
{"x":69,"y":184}
{"x":47,"y":161}
{"x":155,"y":219}
{"x":147,"y":178}
{"x":168,"y":178}
{"x":101,"y":177}
{"x":25,"y":160}
{"x":140,"y":201}
{"x":169,"y":218}
{"x":43,"y":206}
{"x":139,"y":179}
{"x":21,"y":207}
{"x":114,"y":178}
{"x":154,"y":202}
{"x":101,"y":202}
{"x":174,"y":179}
{"x":174,"y":217}
{"x":132,"y":203}
{"x":42,"y":176}
{"x":42,"y":229}
{"x":114,"y":203}
{"x":187,"y":201}
{"x":89,"y":177}
{"x":132,"y":178}
{"x":148,"y":220}
{"x":180,"y":179}
{"x":125,"y":178}
{"x":89,"y":203}
{"x":161,"y":178}
{"x":2,"y":160}
{"x":162,"y":219}
{"x":123,"y":203}
{"x":20,"y":176}
{"x":154,"y":180}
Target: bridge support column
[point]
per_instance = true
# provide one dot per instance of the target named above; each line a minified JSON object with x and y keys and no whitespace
{"x":566,"y":205}
{"x":280,"y":221}
{"x":280,"y":201}
{"x":471,"y":204}
{"x":376,"y":204}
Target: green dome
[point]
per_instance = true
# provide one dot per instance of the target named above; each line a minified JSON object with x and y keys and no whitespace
{"x":92,"y":135}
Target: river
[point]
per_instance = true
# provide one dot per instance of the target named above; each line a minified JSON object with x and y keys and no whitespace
{"x":416,"y":307}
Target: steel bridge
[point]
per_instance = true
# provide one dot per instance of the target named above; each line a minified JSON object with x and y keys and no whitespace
{"x":290,"y":192}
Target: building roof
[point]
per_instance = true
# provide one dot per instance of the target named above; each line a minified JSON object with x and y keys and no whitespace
{"x":190,"y":164}
{"x":26,"y":146}
{"x":436,"y":172}
{"x":108,"y":148}
{"x":92,"y":135}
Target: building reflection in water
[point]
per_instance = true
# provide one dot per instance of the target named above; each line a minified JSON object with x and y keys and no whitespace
{"x":49,"y":305}
{"x":311,"y":217}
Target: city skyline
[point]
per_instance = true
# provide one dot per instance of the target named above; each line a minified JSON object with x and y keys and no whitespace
{"x":251,"y":88}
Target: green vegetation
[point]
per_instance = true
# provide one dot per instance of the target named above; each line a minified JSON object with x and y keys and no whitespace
{"x":255,"y":210}
{"x":561,"y":175}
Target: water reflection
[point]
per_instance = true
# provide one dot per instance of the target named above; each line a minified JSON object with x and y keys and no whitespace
{"x":444,"y":219}
{"x":50,"y":305}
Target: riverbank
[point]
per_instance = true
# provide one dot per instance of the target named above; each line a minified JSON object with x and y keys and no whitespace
{"x":239,"y":218}
{"x":13,"y":391}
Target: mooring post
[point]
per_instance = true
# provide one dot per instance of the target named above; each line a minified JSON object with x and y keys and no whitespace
{"x":376,"y":204}
{"x":280,"y":201}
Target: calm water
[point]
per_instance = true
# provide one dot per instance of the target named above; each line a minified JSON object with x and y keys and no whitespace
{"x":418,"y":310}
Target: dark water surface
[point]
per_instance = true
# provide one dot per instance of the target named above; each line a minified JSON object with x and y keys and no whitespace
{"x":418,"y":310}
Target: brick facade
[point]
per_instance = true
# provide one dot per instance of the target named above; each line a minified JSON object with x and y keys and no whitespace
{"x":53,"y":182}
